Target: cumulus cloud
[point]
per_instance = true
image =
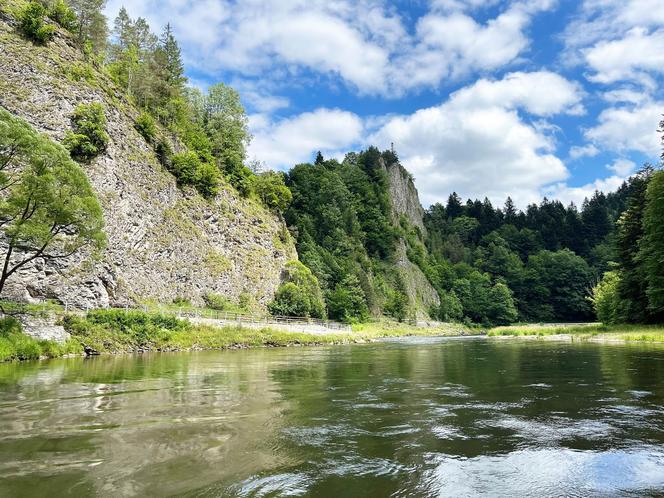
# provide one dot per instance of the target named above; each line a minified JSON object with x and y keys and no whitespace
{"x":364,"y":43}
{"x":566,"y":194}
{"x":618,"y":40}
{"x":287,"y":142}
{"x":632,"y":57}
{"x":579,"y":151}
{"x":622,"y":167}
{"x":628,"y":128}
{"x":478,"y":144}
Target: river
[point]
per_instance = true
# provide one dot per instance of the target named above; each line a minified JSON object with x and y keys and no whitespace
{"x":416,"y":417}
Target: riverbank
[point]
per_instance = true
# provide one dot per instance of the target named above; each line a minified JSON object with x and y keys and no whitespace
{"x":119,"y":332}
{"x":592,"y":332}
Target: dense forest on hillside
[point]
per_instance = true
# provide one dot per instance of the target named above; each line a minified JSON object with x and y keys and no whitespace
{"x":488,"y":264}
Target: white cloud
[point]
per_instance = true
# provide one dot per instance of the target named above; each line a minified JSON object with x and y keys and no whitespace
{"x":622,"y":167}
{"x":567,"y":194}
{"x":478,"y":145}
{"x":629,"y":58}
{"x":578,"y":151}
{"x":363,"y":43}
{"x":628,"y":128}
{"x":618,"y":40}
{"x":542,"y":93}
{"x":290,"y":141}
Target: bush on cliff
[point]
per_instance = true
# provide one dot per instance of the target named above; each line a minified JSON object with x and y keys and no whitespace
{"x":32,"y":24}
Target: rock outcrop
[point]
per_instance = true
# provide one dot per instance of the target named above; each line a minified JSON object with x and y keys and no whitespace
{"x":406,"y":203}
{"x":162,"y":242}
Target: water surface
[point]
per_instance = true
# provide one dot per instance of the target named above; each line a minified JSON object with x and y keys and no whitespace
{"x":434,"y":417}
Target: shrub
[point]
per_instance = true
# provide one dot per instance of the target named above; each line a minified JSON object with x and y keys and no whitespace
{"x":89,"y":137}
{"x":396,"y":305}
{"x":606,"y":299}
{"x":299,"y":295}
{"x":271,"y":190}
{"x":190,"y":170}
{"x":347,"y":301}
{"x":181,"y":301}
{"x":217,"y":302}
{"x":31,"y":21}
{"x":60,"y":12}
{"x":78,"y":72}
{"x":185,"y":166}
{"x":147,"y":127}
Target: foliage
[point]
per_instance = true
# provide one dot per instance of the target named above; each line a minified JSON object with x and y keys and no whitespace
{"x":90,"y":30}
{"x":217,"y":302}
{"x":190,"y":170}
{"x":651,"y":253}
{"x":15,"y":345}
{"x":31,"y":21}
{"x":61,"y":13}
{"x":606,"y":299}
{"x":48,"y":209}
{"x":299,"y":295}
{"x":146,"y":126}
{"x":396,"y":305}
{"x":347,"y":301}
{"x":270,"y":188}
{"x":88,"y":138}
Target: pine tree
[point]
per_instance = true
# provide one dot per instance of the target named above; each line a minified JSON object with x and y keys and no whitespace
{"x":651,"y":252}
{"x":173,"y":58}
{"x":91,"y":30}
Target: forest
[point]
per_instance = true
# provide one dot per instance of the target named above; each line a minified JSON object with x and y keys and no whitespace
{"x":489,"y":265}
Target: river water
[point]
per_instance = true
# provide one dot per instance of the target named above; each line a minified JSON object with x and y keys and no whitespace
{"x":417,"y":417}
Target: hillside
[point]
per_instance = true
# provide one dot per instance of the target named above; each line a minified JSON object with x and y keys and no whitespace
{"x":163,"y":241}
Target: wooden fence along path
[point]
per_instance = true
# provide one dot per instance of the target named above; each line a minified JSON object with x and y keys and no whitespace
{"x":227,"y":318}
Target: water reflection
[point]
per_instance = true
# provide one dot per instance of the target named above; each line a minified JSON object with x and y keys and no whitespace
{"x":408,"y":418}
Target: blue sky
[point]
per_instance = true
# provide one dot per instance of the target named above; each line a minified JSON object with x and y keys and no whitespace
{"x":527,"y":98}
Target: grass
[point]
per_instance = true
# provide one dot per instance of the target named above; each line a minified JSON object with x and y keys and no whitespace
{"x":119,"y":331}
{"x":15,"y":345}
{"x":588,"y":332}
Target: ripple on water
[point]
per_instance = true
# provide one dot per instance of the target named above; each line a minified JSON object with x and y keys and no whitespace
{"x":546,"y":472}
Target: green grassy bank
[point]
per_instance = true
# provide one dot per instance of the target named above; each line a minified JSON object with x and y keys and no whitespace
{"x":118,"y":331}
{"x":586,"y":332}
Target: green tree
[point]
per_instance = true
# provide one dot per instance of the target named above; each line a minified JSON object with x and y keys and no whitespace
{"x":299,"y":294}
{"x":91,"y":29}
{"x":228,"y":128}
{"x":31,"y":21}
{"x":270,"y":188}
{"x":651,"y":252}
{"x":501,"y":310}
{"x":606,"y":298}
{"x":347,"y":301}
{"x":48,"y":209}
{"x":61,"y":13}
{"x":88,"y":138}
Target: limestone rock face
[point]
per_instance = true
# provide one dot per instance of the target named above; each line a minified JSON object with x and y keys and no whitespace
{"x":162,"y":242}
{"x":406,"y":202}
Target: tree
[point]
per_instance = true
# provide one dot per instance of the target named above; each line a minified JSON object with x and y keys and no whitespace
{"x":91,"y":30}
{"x":632,"y":284}
{"x":299,"y":294}
{"x":173,"y":58}
{"x":347,"y":301}
{"x":270,"y":188}
{"x":606,"y":299}
{"x":48,"y":209}
{"x":651,"y":252}
{"x":501,"y":310}
{"x":559,"y":281}
{"x":31,"y":19}
{"x":88,"y":138}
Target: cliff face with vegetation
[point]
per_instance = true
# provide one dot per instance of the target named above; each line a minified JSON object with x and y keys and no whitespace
{"x":405,"y":203}
{"x":163,"y":241}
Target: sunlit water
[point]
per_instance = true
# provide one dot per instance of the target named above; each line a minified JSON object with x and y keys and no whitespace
{"x":455,"y":417}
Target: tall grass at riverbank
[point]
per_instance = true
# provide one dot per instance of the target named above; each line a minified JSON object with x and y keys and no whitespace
{"x":590,"y":332}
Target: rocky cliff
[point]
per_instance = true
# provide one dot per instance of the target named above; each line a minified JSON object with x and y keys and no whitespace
{"x":162,"y":242}
{"x":406,"y":203}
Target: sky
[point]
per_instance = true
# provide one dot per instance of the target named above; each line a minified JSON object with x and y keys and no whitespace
{"x":487,"y":98}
